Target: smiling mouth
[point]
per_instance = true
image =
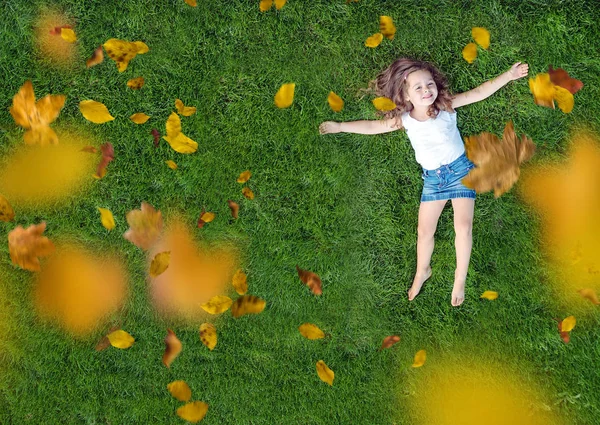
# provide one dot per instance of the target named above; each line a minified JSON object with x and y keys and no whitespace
{"x":428,"y":97}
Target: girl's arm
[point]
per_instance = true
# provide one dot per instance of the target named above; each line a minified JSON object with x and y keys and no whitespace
{"x":518,"y":70}
{"x":359,"y":127}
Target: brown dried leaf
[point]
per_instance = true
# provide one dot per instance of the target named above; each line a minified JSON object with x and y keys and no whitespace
{"x":172,"y":348}
{"x":26,"y":245}
{"x":234,"y":207}
{"x":310,"y":279}
{"x":389,"y":341}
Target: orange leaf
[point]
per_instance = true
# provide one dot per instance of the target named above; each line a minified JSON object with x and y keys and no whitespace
{"x":244,"y":176}
{"x":247,"y":304}
{"x":561,"y":78}
{"x":26,"y":245}
{"x":96,"y":58}
{"x":172,"y":348}
{"x":136,"y":83}
{"x":234,"y":207}
{"x":469,"y":53}
{"x":589,"y":294}
{"x":310,"y":279}
{"x":208,"y":335}
{"x":389,"y":341}
{"x":239,"y":282}
{"x":6,"y":211}
{"x":145,"y":226}
{"x":180,"y":390}
{"x":193,"y":412}
{"x":247,"y":192}
{"x":325,"y":374}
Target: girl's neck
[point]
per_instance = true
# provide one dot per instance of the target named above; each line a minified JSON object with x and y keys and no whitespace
{"x":420,"y":114}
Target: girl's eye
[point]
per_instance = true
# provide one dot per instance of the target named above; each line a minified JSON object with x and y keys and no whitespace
{"x":418,"y":88}
{"x":430,"y":84}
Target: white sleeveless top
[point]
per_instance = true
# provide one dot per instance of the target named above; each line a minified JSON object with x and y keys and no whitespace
{"x":436,"y":141}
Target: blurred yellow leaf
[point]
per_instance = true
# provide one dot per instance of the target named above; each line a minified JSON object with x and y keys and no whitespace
{"x":107,"y":219}
{"x":193,"y":412}
{"x":96,"y":58}
{"x":160,"y":263}
{"x":217,"y":304}
{"x":325,"y":373}
{"x":136,"y":83}
{"x":95,"y":112}
{"x":387,"y":27}
{"x":587,"y":293}
{"x":120,"y":339}
{"x":177,"y":140}
{"x":191,"y":2}
{"x":384,"y":104}
{"x":180,"y":390}
{"x":568,"y":324}
{"x":481,"y":36}
{"x":145,"y":226}
{"x":469,"y":53}
{"x":244,"y":176}
{"x":335,"y":102}
{"x":186,"y":111}
{"x":122,"y":51}
{"x":285,"y":95}
{"x":279,"y":4}
{"x":6,"y":211}
{"x":310,"y":331}
{"x":208,"y":335}
{"x":247,"y":192}
{"x":420,"y":358}
{"x":26,"y":245}
{"x":171,"y":164}
{"x":172,"y":348}
{"x":240,"y":282}
{"x":267,"y":4}
{"x":489,"y":295}
{"x":139,"y":118}
{"x":375,"y":40}
{"x":247,"y":304}
{"x":68,"y":34}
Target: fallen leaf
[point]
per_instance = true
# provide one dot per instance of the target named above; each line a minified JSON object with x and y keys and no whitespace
{"x":420,"y":358}
{"x":587,"y":293}
{"x":374,"y":41}
{"x":335,"y":102}
{"x":497,"y":162}
{"x":239,"y":282}
{"x":104,"y":342}
{"x":267,"y":4}
{"x":279,"y":4}
{"x":58,"y":30}
{"x":186,"y":111}
{"x":108,"y":154}
{"x":160,"y":263}
{"x":156,"y":136}
{"x":244,"y":176}
{"x":469,"y":53}
{"x":122,"y":51}
{"x":139,"y":118}
{"x":565,"y":336}
{"x":234,"y":207}
{"x":180,"y":390}
{"x":26,"y":245}
{"x":310,"y":279}
{"x":176,"y":139}
{"x":384,"y":104}
{"x":89,"y":149}
{"x":208,"y":335}
{"x":107,"y":219}
{"x":543,"y":90}
{"x":68,"y":35}
{"x":205,"y":217}
{"x":247,"y":192}
{"x":96,"y":58}
{"x":560,"y":77}
{"x":217,"y":304}
{"x":191,"y":2}
{"x":193,"y":412}
{"x":247,"y":304}
{"x":136,"y":83}
{"x":481,"y":36}
{"x":6,"y":211}
{"x":310,"y":331}
{"x":568,"y":324}
{"x":285,"y":95}
{"x":172,"y":348}
{"x":36,"y":117}
{"x":388,"y":341}
{"x":145,"y":226}
{"x":387,"y":27}
{"x":325,"y":374}
{"x":171,"y":164}
{"x":564,"y":99}
{"x":95,"y":112}
{"x":489,"y":295}
{"x":120,"y":339}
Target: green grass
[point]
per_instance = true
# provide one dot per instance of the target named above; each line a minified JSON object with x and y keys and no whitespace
{"x":344,"y":206}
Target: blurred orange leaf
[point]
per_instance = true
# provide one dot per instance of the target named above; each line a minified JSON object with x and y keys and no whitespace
{"x":120,"y":339}
{"x":469,"y":53}
{"x":136,"y":83}
{"x":384,"y":104}
{"x":193,"y":412}
{"x":336,"y":103}
{"x":481,"y":36}
{"x":325,"y":374}
{"x":247,"y":304}
{"x":26,"y":245}
{"x":244,"y":176}
{"x":310,"y":279}
{"x":420,"y":358}
{"x":588,"y":294}
{"x":180,"y":390}
{"x":6,"y":211}
{"x":545,"y":93}
{"x":96,"y":58}
{"x":172,"y":348}
{"x":239,"y":282}
{"x":374,"y":41}
{"x":217,"y":304}
{"x":285,"y":95}
{"x":310,"y":331}
{"x":208,"y":335}
{"x":388,"y":341}
{"x":145,"y":226}
{"x":247,"y":192}
{"x":186,"y":111}
{"x":160,"y":263}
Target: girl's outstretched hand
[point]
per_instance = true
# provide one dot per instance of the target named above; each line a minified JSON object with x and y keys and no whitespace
{"x":518,"y":70}
{"x":329,"y":127}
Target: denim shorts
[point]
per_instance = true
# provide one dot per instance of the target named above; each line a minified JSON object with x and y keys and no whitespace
{"x":445,"y":182}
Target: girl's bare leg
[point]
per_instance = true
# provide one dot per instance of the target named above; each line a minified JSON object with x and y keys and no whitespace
{"x":463,"y":227}
{"x":429,"y":213}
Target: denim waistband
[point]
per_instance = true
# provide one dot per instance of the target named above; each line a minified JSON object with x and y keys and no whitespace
{"x":445,"y":167}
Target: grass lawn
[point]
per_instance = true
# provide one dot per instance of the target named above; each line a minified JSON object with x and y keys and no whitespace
{"x":343,"y":206}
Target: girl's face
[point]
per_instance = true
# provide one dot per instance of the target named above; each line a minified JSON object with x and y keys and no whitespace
{"x":421,"y":90}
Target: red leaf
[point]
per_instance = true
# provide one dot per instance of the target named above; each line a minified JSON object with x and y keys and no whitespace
{"x":156,"y":136}
{"x":561,"y":78}
{"x":389,"y":341}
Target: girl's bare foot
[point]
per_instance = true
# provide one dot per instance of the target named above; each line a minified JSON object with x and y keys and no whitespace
{"x":418,"y":281}
{"x":458,"y":292}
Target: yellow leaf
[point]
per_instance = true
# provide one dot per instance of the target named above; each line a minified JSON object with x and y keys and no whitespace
{"x":285,"y":95}
{"x":265,"y":5}
{"x":247,"y":192}
{"x":542,"y":89}
{"x":481,"y":36}
{"x":107,"y":219}
{"x":160,"y":263}
{"x":325,"y":373}
{"x":568,"y":324}
{"x":384,"y":104}
{"x":420,"y":358}
{"x":240,"y":282}
{"x":122,"y":51}
{"x":217,"y":304}
{"x":310,"y":331}
{"x":95,"y":112}
{"x":469,"y":53}
{"x":387,"y":27}
{"x":208,"y":335}
{"x":207,"y":217}
{"x":335,"y":102}
{"x":193,"y":412}
{"x":375,"y":40}
{"x":279,"y":4}
{"x":120,"y":339}
{"x":180,"y":390}
{"x":141,"y":47}
{"x":564,"y":99}
{"x":136,"y":83}
{"x":489,"y":295}
{"x":6,"y":211}
{"x":247,"y":304}
{"x":171,"y":164}
{"x":68,"y":34}
{"x":191,"y":2}
{"x":244,"y":176}
{"x":178,"y":141}
{"x":186,"y":111}
{"x":139,"y":118}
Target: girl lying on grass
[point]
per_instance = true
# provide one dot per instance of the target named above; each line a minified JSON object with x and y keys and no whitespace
{"x":425,"y":109}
